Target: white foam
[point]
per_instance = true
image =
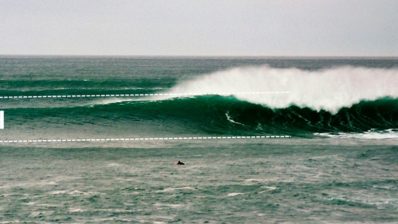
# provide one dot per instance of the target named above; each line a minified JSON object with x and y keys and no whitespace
{"x":371,"y":134}
{"x":328,"y":89}
{"x":58,"y":192}
{"x":169,"y":205}
{"x":234,"y":194}
{"x":74,"y":210}
{"x":229,"y":118}
{"x":172,"y":189}
{"x":113,"y":165}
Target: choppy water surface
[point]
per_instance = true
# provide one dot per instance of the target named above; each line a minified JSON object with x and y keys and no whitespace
{"x":266,"y":181}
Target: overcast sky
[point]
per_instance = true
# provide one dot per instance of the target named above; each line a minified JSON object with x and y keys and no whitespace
{"x":200,"y":27}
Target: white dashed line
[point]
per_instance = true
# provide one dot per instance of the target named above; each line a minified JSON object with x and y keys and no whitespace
{"x":143,"y":139}
{"x":138,"y":95}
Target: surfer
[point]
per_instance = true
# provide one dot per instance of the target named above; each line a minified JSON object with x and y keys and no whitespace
{"x":180,"y":163}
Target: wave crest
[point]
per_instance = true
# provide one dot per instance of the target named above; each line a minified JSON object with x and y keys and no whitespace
{"x":327,"y":89}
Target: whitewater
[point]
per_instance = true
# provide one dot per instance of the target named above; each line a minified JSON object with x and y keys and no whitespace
{"x":326,"y":89}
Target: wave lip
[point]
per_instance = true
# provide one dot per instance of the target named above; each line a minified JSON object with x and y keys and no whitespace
{"x":327,"y":89}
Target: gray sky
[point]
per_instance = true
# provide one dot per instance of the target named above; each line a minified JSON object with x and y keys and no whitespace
{"x":200,"y":27}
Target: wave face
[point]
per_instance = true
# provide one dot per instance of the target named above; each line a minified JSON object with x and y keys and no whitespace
{"x":214,"y":114}
{"x":219,"y":114}
{"x":326,"y":89}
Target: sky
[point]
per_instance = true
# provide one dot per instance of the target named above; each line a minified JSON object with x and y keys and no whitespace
{"x":199,"y":27}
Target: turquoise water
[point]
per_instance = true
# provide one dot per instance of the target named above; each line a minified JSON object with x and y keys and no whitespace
{"x":339,"y":166}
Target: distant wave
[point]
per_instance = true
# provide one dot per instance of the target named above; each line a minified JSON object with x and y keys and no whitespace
{"x":327,"y":89}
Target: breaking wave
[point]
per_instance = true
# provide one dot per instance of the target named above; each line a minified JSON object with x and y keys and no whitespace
{"x":334,"y":102}
{"x":327,"y":89}
{"x":229,"y":115}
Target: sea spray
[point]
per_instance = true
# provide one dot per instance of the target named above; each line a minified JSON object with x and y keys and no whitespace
{"x":328,"y":89}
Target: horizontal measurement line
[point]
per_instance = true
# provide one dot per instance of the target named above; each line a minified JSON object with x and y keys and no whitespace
{"x":136,"y":95}
{"x":142,"y":139}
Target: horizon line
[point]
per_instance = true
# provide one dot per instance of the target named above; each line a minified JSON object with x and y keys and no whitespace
{"x":200,"y":56}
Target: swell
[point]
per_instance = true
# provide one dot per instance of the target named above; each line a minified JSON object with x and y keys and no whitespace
{"x":87,"y":86}
{"x":228,"y":115}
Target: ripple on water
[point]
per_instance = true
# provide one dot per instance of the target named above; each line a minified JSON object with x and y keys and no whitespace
{"x":173,"y":189}
{"x":169,"y":205}
{"x":234,"y":194}
{"x":73,"y":192}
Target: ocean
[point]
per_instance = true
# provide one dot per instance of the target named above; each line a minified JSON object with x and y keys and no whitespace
{"x":264,"y":140}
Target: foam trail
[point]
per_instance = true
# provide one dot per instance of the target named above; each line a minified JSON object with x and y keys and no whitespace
{"x":371,"y":134}
{"x":328,"y":89}
{"x":229,"y":118}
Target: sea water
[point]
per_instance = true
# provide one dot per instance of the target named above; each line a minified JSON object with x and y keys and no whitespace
{"x":339,"y":164}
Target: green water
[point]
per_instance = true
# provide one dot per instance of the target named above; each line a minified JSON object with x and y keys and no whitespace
{"x":340,"y":166}
{"x":289,"y":181}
